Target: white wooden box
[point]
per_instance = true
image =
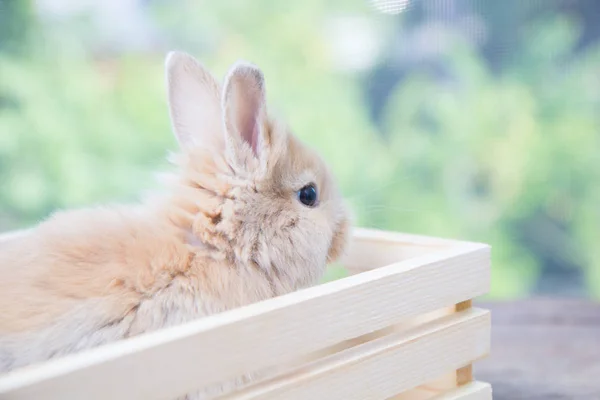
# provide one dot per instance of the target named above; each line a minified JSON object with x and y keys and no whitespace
{"x":401,"y":327}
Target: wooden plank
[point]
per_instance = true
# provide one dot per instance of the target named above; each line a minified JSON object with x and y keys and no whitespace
{"x":260,"y":335}
{"x":384,"y":367}
{"x":471,"y":391}
{"x":377,"y":235}
{"x":371,"y":248}
{"x":405,"y":325}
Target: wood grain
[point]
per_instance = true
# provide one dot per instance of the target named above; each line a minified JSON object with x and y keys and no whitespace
{"x":371,"y":248}
{"x":386,"y":366}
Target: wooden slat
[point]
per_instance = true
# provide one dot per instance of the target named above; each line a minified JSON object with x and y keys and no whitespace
{"x":177,"y":360}
{"x":382,"y":236}
{"x":371,"y":248}
{"x":405,"y":325}
{"x":387,"y":366}
{"x":471,"y":391}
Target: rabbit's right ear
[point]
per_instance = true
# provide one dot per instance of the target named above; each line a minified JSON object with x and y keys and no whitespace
{"x":194,"y":102}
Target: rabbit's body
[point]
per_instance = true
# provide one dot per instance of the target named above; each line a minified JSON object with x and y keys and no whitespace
{"x":83,"y":297}
{"x":231,"y":228}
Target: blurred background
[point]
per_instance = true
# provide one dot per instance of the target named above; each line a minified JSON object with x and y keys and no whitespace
{"x":470,"y":119}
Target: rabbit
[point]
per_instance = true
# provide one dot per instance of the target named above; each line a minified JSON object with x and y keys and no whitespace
{"x":250,"y":213}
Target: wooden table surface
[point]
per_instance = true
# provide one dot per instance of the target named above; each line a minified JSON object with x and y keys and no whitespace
{"x":543,"y":349}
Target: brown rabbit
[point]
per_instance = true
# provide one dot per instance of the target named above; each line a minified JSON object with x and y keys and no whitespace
{"x":251,"y":213}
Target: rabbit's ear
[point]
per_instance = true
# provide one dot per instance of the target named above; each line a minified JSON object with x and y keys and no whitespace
{"x":244,"y":110}
{"x":194,"y":101}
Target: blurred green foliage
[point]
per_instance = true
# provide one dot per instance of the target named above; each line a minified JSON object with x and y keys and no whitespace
{"x":16,"y":21}
{"x":508,"y":158}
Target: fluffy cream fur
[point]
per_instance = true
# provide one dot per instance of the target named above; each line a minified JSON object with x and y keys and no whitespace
{"x":228,"y":230}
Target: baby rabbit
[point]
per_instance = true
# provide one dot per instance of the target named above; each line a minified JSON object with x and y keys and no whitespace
{"x":250,"y":214}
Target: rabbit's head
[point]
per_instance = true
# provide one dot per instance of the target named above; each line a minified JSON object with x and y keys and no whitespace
{"x":250,"y":191}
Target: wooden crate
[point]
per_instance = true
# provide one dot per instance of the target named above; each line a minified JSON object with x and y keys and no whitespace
{"x":401,"y":327}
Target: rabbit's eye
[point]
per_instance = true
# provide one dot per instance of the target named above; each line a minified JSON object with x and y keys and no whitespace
{"x":308,"y":195}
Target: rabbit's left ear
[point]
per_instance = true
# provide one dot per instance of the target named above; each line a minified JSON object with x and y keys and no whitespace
{"x":244,"y":111}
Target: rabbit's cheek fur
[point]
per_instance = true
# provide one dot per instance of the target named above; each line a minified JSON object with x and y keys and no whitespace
{"x":288,"y":241}
{"x":289,"y":251}
{"x":340,"y":238}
